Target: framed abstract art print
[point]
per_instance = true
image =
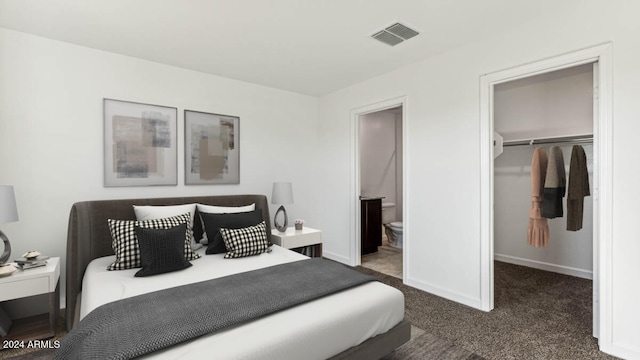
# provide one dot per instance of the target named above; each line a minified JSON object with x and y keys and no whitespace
{"x":212,"y":148}
{"x":140,"y":146}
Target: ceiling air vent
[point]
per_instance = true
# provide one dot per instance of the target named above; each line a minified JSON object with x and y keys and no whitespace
{"x":387,"y":38}
{"x":395,"y":34}
{"x":402,"y":31}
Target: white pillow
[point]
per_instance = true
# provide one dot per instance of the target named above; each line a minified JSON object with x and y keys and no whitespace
{"x":213,"y":209}
{"x":150,"y":212}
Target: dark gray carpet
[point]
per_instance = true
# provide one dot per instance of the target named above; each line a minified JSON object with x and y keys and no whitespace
{"x":35,"y":353}
{"x":430,"y":347}
{"x":537,"y":315}
{"x":43,"y":354}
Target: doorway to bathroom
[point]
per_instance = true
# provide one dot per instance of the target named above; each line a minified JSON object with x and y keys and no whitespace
{"x":380,"y":145}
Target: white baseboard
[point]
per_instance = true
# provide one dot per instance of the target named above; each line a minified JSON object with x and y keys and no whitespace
{"x":335,"y":257}
{"x":560,"y":269}
{"x":623,"y":351}
{"x":444,"y":293}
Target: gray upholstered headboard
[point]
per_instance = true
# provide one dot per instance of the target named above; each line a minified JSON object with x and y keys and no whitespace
{"x":88,"y":236}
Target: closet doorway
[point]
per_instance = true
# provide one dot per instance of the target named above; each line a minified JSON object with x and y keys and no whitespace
{"x":593,"y":63}
{"x":549,"y":114}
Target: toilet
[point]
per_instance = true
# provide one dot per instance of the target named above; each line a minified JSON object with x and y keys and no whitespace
{"x":392,"y":228}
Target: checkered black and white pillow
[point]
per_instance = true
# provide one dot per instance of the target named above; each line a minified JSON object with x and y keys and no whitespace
{"x":125,"y":243}
{"x":247,"y":241}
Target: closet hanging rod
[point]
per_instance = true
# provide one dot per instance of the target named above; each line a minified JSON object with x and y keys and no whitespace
{"x":575,"y":139}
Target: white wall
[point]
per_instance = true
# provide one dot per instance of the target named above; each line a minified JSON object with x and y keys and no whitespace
{"x":442,"y":222}
{"x":51,"y":131}
{"x":558,"y":103}
{"x":553,"y":104}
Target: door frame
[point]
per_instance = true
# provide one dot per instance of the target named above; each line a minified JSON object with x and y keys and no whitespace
{"x":602,"y":192}
{"x":355,"y":116}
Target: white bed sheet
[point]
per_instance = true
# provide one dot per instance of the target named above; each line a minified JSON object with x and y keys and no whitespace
{"x":315,"y":330}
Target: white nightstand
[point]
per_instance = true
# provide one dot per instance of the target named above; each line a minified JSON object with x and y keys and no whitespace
{"x":293,"y":239}
{"x":36,"y":281}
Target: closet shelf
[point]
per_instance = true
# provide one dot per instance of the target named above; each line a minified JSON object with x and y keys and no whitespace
{"x":573,"y":139}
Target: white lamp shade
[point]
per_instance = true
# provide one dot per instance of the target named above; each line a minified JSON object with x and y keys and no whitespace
{"x":282,"y":193}
{"x":8,"y":208}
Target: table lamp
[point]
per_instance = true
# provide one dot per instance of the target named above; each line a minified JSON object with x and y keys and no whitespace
{"x":8,"y":213}
{"x":281,"y":194}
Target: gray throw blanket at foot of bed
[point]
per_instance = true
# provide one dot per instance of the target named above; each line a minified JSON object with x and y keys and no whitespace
{"x":146,"y":323}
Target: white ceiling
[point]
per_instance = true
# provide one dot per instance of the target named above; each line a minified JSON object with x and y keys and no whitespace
{"x":311,"y":47}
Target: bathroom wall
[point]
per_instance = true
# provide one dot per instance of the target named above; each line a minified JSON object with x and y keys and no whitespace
{"x":399,"y":160}
{"x":380,"y":162}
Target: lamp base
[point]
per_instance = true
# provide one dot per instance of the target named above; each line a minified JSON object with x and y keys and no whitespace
{"x":280,"y":227}
{"x":6,"y":254}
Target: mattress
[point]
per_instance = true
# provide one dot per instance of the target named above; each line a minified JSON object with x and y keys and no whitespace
{"x":315,"y":330}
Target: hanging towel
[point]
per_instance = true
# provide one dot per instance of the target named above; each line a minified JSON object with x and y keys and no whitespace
{"x":578,"y":188}
{"x":554,"y":185}
{"x":538,"y":231}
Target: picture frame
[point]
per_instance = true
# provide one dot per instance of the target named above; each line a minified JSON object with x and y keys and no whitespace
{"x":212,"y":148}
{"x":140,"y":144}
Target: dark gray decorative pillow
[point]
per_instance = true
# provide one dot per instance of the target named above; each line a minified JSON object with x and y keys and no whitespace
{"x":161,"y":250}
{"x":247,"y":241}
{"x":125,"y":242}
{"x":213,"y":223}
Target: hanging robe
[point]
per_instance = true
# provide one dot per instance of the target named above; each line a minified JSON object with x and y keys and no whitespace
{"x":554,"y":185}
{"x":538,"y":231}
{"x":577,"y":188}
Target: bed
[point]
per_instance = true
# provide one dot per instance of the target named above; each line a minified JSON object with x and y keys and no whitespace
{"x":363,"y":322}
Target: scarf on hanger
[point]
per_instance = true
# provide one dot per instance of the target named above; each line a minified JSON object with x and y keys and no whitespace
{"x":578,"y":188}
{"x":554,"y":185}
{"x":538,"y":231}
